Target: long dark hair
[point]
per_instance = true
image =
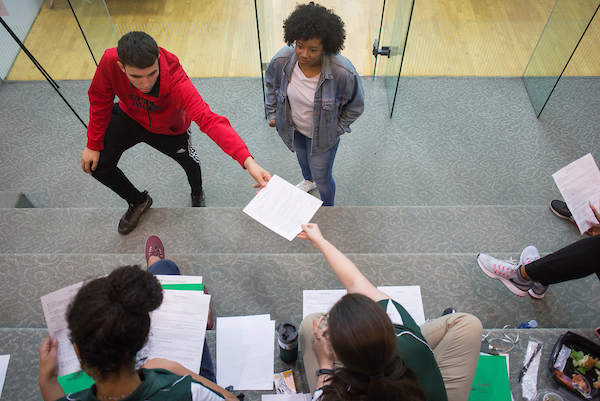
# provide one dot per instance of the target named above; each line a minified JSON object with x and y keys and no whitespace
{"x":364,"y":340}
{"x":109,"y":318}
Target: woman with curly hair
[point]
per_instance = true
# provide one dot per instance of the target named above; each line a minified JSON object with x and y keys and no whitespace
{"x":109,"y":323}
{"x":369,"y":347}
{"x":313,"y":94}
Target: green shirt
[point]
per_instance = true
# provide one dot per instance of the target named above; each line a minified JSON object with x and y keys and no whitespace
{"x":412,"y":346}
{"x":158,"y":385}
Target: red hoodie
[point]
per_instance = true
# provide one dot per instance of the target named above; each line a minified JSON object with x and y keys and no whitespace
{"x":171,"y":113}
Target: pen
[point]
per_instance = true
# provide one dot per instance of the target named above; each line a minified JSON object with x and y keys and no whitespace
{"x":524,"y":370}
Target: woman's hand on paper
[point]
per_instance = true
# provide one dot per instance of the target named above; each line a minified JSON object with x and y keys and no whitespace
{"x":48,"y":375}
{"x":595,"y":229}
{"x":311,"y":232}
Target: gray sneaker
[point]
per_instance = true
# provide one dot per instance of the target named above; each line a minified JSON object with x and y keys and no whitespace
{"x":528,"y":255}
{"x":538,"y":290}
{"x":505,"y":271}
{"x":131,"y":218}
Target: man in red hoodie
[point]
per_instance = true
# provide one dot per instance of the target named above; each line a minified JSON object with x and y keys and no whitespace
{"x":157,"y":103}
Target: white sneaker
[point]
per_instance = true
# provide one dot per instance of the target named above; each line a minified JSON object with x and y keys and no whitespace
{"x":528,"y":255}
{"x":307,"y":185}
{"x":506,"y":272}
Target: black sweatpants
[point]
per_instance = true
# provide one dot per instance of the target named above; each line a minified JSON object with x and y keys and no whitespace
{"x":577,"y":260}
{"x":123,"y":133}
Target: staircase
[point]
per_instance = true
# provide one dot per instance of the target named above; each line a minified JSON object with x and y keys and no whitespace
{"x":464,"y":167}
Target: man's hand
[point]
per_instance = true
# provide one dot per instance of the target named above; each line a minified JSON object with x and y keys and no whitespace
{"x":261,"y":175}
{"x":48,"y":374}
{"x":595,"y":230}
{"x":272,"y":122}
{"x":89,"y":160}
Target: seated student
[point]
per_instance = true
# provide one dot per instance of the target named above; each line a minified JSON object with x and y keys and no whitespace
{"x":109,"y":323}
{"x":533,"y":274}
{"x":384,"y":354}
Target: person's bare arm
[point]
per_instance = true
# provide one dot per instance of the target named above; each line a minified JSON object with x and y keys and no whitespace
{"x":345,"y":270}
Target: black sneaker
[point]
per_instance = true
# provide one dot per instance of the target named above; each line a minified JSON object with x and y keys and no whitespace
{"x":198,"y":200}
{"x":561,"y":209}
{"x":130,"y":219}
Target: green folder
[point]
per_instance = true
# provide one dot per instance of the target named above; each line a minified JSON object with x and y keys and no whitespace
{"x":491,"y":379}
{"x":75,"y":382}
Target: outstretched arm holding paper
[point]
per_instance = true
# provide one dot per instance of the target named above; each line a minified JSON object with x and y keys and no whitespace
{"x":365,"y":327}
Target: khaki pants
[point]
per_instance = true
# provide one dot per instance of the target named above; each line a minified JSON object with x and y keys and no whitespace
{"x":454,"y":338}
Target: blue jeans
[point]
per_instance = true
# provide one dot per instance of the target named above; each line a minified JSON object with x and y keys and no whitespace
{"x":318,"y":167}
{"x":207,"y":369}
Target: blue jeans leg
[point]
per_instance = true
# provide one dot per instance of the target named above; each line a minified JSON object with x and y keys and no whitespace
{"x":302,"y":149}
{"x":207,"y":368}
{"x":320,"y":166}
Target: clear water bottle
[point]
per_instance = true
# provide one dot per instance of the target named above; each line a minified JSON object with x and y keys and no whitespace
{"x":531,"y":324}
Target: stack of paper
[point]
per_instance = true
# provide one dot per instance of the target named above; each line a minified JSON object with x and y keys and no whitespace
{"x":245,"y":352}
{"x":409,"y":296}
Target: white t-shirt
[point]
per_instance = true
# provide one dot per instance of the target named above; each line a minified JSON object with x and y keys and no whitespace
{"x":301,"y":94}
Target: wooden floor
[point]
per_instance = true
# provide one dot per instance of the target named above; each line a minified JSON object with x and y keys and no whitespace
{"x":219,"y":39}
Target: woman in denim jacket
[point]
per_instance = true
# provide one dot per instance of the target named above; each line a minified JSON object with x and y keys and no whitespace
{"x":313,"y":94}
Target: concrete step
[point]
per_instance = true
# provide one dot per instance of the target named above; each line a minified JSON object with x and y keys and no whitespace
{"x":248,"y":284}
{"x":419,"y":229}
{"x":23,"y":344}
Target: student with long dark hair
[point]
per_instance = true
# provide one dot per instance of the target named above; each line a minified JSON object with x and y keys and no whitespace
{"x":109,"y":323}
{"x":370,"y":348}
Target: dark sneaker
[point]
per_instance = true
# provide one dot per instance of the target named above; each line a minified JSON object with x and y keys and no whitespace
{"x":561,"y":209}
{"x":131,"y":218}
{"x":538,"y":290}
{"x":154,"y":247}
{"x":448,"y":311}
{"x":210,"y":323}
{"x":505,"y":271}
{"x":198,"y":201}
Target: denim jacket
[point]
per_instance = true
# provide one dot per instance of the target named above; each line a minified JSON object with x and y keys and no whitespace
{"x":339,"y":98}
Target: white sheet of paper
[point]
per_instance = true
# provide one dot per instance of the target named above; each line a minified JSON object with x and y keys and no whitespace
{"x":285,"y":397}
{"x":178,"y":328}
{"x":3,"y":368}
{"x":579,"y":184}
{"x":409,"y":296}
{"x":245,"y":352}
{"x":282,"y":207}
{"x":55,"y":306}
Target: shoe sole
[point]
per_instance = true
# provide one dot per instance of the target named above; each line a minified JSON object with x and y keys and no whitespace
{"x":532,"y":294}
{"x":572,"y":220}
{"x":507,"y":283}
{"x":138,"y":221}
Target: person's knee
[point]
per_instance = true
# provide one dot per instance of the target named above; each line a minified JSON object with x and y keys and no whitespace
{"x":468,"y":325}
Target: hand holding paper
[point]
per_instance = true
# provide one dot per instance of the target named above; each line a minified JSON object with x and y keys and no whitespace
{"x":281,"y":207}
{"x":579,"y":184}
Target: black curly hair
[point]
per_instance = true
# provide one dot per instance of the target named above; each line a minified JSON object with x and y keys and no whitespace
{"x":312,"y":20}
{"x":109,"y":318}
